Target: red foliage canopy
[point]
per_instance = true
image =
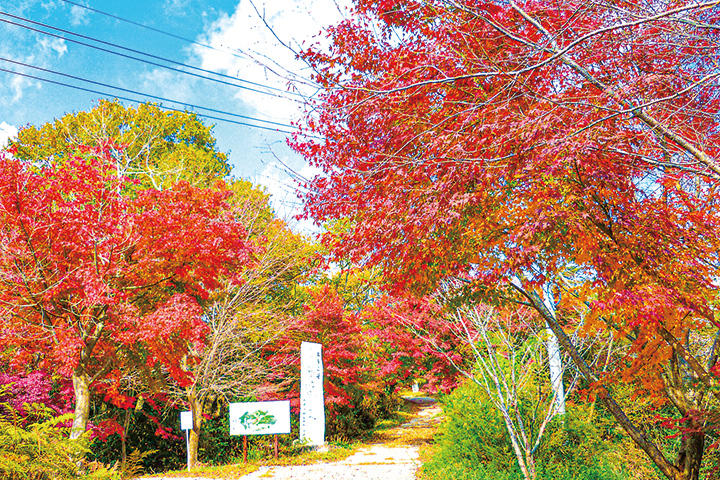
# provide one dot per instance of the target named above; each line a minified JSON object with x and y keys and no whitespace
{"x":403,"y":354}
{"x":486,"y":139}
{"x":344,"y":348}
{"x":93,"y":279}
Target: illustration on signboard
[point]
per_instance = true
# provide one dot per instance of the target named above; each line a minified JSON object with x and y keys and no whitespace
{"x":257,"y":421}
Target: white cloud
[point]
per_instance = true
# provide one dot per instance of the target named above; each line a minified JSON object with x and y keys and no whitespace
{"x":166,"y":84}
{"x":18,"y":84}
{"x":56,"y":45}
{"x":258,"y":42}
{"x":261,"y":40}
{"x":48,"y":6}
{"x":79,"y":16}
{"x":6,"y":133}
{"x":283,"y":191}
{"x":175,"y":7}
{"x":24,"y":46}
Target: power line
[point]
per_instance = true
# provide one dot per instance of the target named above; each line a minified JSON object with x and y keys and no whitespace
{"x":157,"y":30}
{"x":93,"y":39}
{"x":243,"y":87}
{"x":142,"y":53}
{"x":105,"y":94}
{"x":135,"y":92}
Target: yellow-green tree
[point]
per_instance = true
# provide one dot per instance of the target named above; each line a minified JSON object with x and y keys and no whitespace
{"x":159,"y":147}
{"x":244,"y":319}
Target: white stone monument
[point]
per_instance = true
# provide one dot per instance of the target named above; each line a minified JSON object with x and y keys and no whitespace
{"x":312,"y":398}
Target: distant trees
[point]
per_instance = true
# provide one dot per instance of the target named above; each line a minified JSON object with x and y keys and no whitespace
{"x":132,"y":264}
{"x":155,"y":146}
{"x":245,"y":318}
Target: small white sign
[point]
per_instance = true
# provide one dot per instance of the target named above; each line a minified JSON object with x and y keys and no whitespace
{"x":415,"y":387}
{"x":260,"y":418}
{"x":186,"y":421}
{"x":312,"y":398}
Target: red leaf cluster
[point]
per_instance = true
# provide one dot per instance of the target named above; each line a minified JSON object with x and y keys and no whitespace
{"x":95,"y":275}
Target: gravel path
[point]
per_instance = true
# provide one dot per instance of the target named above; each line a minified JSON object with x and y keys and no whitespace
{"x":374,"y":463}
{"x":393,"y":455}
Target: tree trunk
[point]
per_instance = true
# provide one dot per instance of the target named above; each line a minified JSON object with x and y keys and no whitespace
{"x":516,"y":447}
{"x":123,"y":440}
{"x":193,"y":446}
{"x":81,"y":386}
{"x":530,"y":462}
{"x":685,"y":400}
{"x":690,"y":455}
{"x":554,"y":358}
{"x":196,"y":407}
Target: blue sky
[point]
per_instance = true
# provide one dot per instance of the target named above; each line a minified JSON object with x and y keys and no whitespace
{"x":243,"y":48}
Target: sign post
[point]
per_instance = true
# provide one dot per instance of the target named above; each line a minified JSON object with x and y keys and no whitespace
{"x":186,"y":423}
{"x":259,"y":418}
{"x":312,"y":401}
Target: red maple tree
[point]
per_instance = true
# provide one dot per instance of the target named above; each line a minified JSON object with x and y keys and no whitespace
{"x":393,"y":325}
{"x":95,"y":281}
{"x":325,"y":321}
{"x":503,"y":141}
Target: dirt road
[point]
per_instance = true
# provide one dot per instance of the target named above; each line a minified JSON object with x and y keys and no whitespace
{"x":391,"y":455}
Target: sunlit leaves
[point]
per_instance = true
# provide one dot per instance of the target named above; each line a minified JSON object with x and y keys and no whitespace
{"x":159,"y":147}
{"x":461,"y":140}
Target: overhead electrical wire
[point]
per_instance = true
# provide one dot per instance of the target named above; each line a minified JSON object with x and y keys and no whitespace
{"x":163,"y":99}
{"x":76,"y":87}
{"x":174,"y":62}
{"x":153,"y":29}
{"x":282,"y":93}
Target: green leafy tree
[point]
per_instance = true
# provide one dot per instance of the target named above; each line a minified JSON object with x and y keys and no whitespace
{"x":161,"y":147}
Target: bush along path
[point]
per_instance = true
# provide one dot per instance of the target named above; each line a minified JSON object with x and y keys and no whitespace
{"x":390,"y":454}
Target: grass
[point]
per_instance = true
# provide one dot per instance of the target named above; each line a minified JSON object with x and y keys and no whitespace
{"x":300,"y":456}
{"x":426,"y":454}
{"x":332,"y":452}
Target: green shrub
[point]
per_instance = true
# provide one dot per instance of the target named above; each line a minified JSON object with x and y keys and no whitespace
{"x":474,"y":433}
{"x":367,"y":406}
{"x":159,"y":452}
{"x":473,"y":444}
